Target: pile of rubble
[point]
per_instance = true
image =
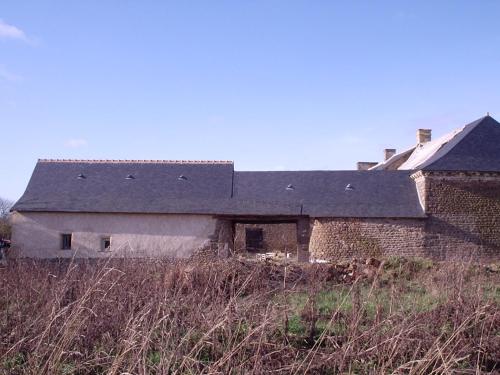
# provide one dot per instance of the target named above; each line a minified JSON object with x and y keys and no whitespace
{"x":293,"y":272}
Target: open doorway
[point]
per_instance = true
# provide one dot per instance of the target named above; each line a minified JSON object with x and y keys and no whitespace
{"x":254,"y":239}
{"x":257,"y":238}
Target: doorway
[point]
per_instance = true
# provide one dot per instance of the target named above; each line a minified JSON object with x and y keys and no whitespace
{"x":259,"y":238}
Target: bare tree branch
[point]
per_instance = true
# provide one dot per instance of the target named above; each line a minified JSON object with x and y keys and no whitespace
{"x":5,"y":206}
{"x":5,"y":229}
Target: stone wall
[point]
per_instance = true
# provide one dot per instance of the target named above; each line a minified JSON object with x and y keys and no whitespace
{"x":277,"y":237}
{"x":222,"y":241}
{"x":463,"y":223}
{"x":464,"y":215}
{"x":347,"y":238}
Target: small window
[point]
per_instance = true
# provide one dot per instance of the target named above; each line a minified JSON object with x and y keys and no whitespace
{"x":254,"y":239}
{"x":66,"y":241}
{"x":106,"y":244}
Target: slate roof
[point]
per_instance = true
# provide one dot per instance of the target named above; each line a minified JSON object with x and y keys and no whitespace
{"x":473,"y":147}
{"x":394,"y":162}
{"x":334,"y":193}
{"x":154,"y":186}
{"x":214,"y":188}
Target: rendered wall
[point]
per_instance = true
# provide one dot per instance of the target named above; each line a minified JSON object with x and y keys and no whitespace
{"x":464,"y":215}
{"x":134,"y":235}
{"x":347,"y":238}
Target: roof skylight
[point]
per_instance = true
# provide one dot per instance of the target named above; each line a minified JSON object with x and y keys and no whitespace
{"x":349,"y":187}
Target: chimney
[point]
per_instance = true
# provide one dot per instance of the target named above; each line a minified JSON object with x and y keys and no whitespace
{"x":423,"y":135}
{"x":388,"y":153}
{"x":365,"y":165}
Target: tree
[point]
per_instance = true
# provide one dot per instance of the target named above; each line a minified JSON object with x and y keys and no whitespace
{"x":5,"y":206}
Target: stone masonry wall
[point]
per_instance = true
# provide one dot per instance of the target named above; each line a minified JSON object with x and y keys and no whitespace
{"x":464,"y":215}
{"x":277,"y":237}
{"x":221,"y":241}
{"x":346,"y":238}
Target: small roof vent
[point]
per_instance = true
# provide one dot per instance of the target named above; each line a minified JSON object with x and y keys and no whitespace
{"x":129,"y":177}
{"x":349,"y":187}
{"x":182,"y":178}
{"x":81,"y":176}
{"x":290,"y":187}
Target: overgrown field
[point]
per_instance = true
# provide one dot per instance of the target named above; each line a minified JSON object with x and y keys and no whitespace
{"x":407,"y":316}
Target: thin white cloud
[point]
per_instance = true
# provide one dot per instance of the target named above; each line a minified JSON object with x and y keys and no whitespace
{"x":75,"y":143}
{"x":6,"y":75}
{"x":11,"y":32}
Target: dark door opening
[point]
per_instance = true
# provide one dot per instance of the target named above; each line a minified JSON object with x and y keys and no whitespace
{"x":280,"y":237}
{"x":254,"y":239}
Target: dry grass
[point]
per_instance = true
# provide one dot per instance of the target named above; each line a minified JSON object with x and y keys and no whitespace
{"x":230,"y":317}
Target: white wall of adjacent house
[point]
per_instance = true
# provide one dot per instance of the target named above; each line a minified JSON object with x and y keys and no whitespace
{"x":40,"y":234}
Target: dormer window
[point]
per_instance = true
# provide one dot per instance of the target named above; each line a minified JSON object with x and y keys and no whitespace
{"x":129,"y":177}
{"x":81,"y":176}
{"x":182,"y":178}
{"x":290,"y":187}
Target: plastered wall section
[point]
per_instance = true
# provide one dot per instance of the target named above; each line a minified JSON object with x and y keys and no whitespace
{"x":132,"y":235}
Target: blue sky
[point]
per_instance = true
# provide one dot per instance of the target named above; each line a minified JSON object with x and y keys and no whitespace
{"x":268,"y":84}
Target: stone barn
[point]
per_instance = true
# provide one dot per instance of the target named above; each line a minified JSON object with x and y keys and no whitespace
{"x":439,"y":199}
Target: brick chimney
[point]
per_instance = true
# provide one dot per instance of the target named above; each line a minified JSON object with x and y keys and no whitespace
{"x":423,"y":135}
{"x":365,"y":165}
{"x":388,"y":153}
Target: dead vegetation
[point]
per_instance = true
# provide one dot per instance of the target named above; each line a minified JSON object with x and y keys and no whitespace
{"x":5,"y":228}
{"x":230,"y":317}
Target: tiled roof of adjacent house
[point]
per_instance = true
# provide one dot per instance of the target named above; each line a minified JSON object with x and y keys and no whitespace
{"x":394,"y":161}
{"x":473,"y":147}
{"x":214,"y":188}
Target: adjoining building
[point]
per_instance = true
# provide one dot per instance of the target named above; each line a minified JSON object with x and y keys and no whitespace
{"x":439,"y":199}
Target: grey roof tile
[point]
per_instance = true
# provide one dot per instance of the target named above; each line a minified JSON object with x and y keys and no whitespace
{"x":214,"y":188}
{"x":156,"y":186}
{"x":324,"y":193}
{"x":475,"y":148}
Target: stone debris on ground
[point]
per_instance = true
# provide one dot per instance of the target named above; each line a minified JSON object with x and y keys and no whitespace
{"x":278,"y":268}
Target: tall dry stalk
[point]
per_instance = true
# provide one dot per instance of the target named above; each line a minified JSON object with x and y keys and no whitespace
{"x":143,"y":317}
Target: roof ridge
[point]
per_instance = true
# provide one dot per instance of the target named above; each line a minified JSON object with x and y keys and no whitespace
{"x":460,"y":134}
{"x":135,"y":161}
